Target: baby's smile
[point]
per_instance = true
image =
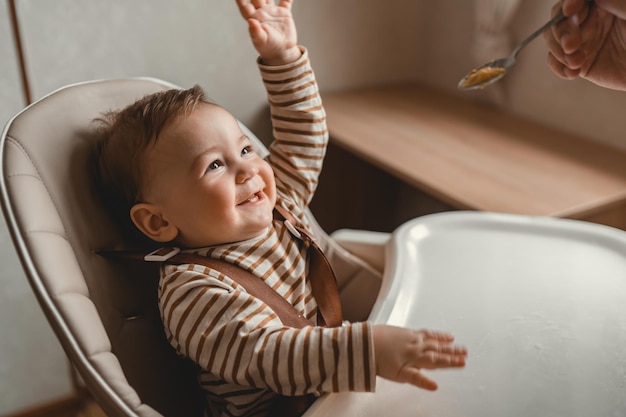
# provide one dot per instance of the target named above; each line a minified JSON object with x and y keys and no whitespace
{"x":253,"y":198}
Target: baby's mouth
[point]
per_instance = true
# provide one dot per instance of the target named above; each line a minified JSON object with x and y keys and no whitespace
{"x":252,"y":199}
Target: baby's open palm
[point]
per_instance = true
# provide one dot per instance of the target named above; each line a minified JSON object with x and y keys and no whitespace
{"x":271,"y":25}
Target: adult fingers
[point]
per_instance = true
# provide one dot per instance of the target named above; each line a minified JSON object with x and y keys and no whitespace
{"x":560,"y":69}
{"x":616,"y":7}
{"x":572,"y":7}
{"x":567,"y":34}
{"x":554,"y":46}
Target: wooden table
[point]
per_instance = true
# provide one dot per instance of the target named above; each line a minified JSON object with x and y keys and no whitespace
{"x":472,"y":156}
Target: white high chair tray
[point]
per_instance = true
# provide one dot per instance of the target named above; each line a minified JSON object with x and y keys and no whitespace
{"x":540,"y":304}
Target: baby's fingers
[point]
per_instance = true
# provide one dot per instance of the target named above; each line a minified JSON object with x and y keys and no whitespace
{"x":446,"y":357}
{"x":413,"y":376}
{"x":246,"y":8}
{"x":432,"y":335}
{"x":435,"y":360}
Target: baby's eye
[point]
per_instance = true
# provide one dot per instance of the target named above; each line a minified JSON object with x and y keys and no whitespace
{"x":246,"y":150}
{"x":214,"y":165}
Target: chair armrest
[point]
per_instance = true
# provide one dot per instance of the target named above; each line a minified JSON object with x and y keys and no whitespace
{"x":367,"y":245}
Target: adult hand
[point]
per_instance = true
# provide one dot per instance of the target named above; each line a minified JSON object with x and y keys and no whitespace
{"x":590,"y":43}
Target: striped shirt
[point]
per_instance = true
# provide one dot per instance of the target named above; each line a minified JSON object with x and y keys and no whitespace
{"x":245,"y":353}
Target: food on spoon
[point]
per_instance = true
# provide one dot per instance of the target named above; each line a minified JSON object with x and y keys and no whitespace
{"x":481,"y":76}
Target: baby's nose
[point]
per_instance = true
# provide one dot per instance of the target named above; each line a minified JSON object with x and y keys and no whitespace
{"x":245,"y":172}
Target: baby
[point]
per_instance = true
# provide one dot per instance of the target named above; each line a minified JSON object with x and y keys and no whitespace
{"x":187,"y":176}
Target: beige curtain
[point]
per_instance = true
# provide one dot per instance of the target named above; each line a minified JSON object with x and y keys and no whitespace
{"x":492,"y":38}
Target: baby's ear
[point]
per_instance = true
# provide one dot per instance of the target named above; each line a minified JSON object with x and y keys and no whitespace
{"x":150,"y":220}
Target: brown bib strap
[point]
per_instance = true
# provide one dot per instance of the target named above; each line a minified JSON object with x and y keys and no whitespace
{"x":286,"y":312}
{"x":253,"y":285}
{"x":283,"y":406}
{"x":321,"y":274}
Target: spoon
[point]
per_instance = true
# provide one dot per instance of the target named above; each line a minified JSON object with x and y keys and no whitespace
{"x":492,"y":71}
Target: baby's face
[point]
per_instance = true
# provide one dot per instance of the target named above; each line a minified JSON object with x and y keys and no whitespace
{"x":208,"y":181}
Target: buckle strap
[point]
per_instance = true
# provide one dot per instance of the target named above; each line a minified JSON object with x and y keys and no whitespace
{"x":161,"y":254}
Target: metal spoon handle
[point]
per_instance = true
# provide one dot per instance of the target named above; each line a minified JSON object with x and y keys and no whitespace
{"x":556,"y":19}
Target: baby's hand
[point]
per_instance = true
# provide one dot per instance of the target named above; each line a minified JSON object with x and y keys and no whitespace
{"x":401,"y":354}
{"x":272,"y":30}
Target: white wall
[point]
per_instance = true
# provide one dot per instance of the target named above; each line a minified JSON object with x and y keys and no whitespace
{"x":11,"y":99}
{"x":33,"y":368}
{"x":352,"y":42}
{"x":356,"y":42}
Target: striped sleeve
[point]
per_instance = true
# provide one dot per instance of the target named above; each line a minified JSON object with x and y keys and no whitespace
{"x":237,"y":338}
{"x":299,"y":123}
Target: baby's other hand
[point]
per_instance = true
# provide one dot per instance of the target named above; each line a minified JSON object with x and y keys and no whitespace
{"x":272,"y":30}
{"x":402,"y":353}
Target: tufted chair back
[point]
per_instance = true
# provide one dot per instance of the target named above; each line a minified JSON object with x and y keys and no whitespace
{"x":104,"y":313}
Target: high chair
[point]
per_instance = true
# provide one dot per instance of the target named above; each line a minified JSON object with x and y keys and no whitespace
{"x":105,"y":313}
{"x":539,"y":302}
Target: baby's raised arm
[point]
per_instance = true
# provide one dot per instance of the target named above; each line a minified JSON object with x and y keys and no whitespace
{"x":272,"y":30}
{"x":402,"y":353}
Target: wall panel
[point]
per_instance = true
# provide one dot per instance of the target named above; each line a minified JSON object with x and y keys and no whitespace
{"x":353,"y":42}
{"x":362,"y":42}
{"x":11,"y":99}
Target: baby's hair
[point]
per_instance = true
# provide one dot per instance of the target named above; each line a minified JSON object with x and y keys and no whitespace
{"x":124,"y":136}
